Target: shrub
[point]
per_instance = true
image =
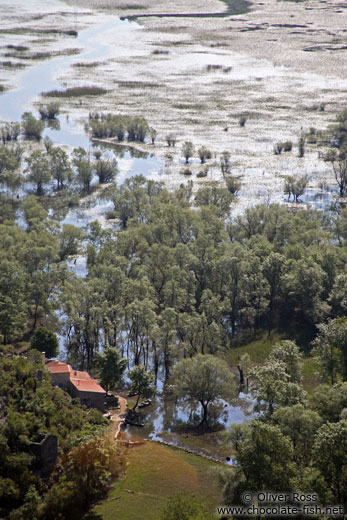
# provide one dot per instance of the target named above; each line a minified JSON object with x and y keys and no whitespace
{"x":49,"y":111}
{"x":301,"y":146}
{"x":10,"y":132}
{"x":204,"y":154}
{"x":287,"y":146}
{"x":233,"y":184}
{"x":278,"y":147}
{"x":106,"y":170}
{"x":32,"y":127}
{"x":225,"y":162}
{"x":203,"y":172}
{"x":171,"y":139}
{"x":187,"y":150}
{"x":186,"y":171}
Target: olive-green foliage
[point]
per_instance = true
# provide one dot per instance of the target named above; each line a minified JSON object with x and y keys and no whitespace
{"x":30,"y":271}
{"x":32,"y":127}
{"x":203,"y":379}
{"x":185,"y":507}
{"x":30,"y":406}
{"x":38,"y":170}
{"x":46,"y":341}
{"x":87,"y":470}
{"x":264,"y":460}
{"x":110,"y":125}
{"x":49,"y":111}
{"x":331,"y":349}
{"x":141,"y":383}
{"x":112,"y":367}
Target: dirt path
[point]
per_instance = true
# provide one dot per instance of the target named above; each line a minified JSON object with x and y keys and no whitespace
{"x":118,"y":417}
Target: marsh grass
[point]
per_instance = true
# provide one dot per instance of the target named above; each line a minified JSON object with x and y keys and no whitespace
{"x":75,"y":92}
{"x":17,"y":47}
{"x":86,"y":64}
{"x":30,"y":30}
{"x":11,"y":64}
{"x":138,"y":84}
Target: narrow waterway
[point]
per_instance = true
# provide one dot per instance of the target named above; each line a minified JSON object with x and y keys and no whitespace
{"x":44,"y":77}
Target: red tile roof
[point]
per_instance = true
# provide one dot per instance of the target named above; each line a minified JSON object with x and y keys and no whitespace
{"x":84,"y":385}
{"x":81,"y":380}
{"x":58,"y":367}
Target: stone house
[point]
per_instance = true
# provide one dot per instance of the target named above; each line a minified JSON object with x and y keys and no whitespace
{"x":77,"y":384}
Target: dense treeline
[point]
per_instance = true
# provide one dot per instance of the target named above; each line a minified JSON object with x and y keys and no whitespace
{"x":177,"y":280}
{"x":298,"y":443}
{"x":174,"y":278}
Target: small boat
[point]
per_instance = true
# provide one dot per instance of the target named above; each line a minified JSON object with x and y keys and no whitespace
{"x":132,"y":422}
{"x":132,"y":394}
{"x":145,"y":403}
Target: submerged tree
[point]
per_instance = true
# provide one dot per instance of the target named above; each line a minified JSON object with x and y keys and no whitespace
{"x":39,"y":171}
{"x":141,"y":384}
{"x":203,"y":379}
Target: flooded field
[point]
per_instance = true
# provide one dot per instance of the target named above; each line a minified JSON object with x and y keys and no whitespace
{"x":194,"y":77}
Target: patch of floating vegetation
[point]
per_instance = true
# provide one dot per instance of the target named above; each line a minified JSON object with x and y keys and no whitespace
{"x":31,"y":30}
{"x":17,"y":47}
{"x":11,"y":64}
{"x":86,"y":64}
{"x":138,"y":84}
{"x":42,"y":55}
{"x":234,"y":7}
{"x":75,"y":92}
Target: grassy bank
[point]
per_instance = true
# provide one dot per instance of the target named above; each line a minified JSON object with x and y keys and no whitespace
{"x":153,"y":474}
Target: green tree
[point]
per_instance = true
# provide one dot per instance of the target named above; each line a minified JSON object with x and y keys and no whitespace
{"x":32,"y":127}
{"x":330,"y":347}
{"x":60,"y":166}
{"x":46,"y":341}
{"x":8,"y":162}
{"x":106,"y":169}
{"x":330,"y":457}
{"x":187,"y":150}
{"x":84,"y":168}
{"x":204,"y":153}
{"x":329,"y":401}
{"x":264,"y":459}
{"x":112,"y":368}
{"x":213,"y":193}
{"x":141,"y":384}
{"x":272,"y":386}
{"x":300,"y":425}
{"x":70,"y":239}
{"x":39,"y":171}
{"x":203,"y":379}
{"x":12,"y":304}
{"x":288,"y":352}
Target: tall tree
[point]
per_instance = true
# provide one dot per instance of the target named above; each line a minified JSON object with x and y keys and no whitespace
{"x":203,"y":379}
{"x":112,"y":368}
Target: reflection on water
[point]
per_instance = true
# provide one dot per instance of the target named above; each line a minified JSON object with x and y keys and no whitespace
{"x":164,"y":415}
